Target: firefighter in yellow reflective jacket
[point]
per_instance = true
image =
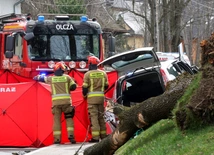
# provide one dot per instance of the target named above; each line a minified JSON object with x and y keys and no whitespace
{"x":95,"y":82}
{"x":61,"y":85}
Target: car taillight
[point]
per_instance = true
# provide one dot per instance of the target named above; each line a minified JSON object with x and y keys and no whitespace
{"x":51,"y":64}
{"x":82,"y":64}
{"x":72,"y":64}
{"x":165,"y":78}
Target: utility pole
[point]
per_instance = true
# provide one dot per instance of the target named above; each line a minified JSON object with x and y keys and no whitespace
{"x":157,"y":26}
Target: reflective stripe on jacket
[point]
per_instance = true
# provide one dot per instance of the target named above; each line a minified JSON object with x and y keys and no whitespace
{"x":60,"y":96}
{"x":60,"y":89}
{"x":96,"y":93}
{"x":95,"y":81}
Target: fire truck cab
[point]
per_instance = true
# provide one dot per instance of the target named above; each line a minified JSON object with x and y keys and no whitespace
{"x":32,"y":47}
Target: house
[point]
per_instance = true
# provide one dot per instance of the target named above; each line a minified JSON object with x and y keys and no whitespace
{"x":132,"y":23}
{"x":10,"y":6}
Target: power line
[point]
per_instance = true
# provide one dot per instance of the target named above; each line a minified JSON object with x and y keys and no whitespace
{"x":83,"y":5}
{"x":203,"y":5}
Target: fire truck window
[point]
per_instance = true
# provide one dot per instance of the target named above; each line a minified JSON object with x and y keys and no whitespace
{"x":96,"y":45}
{"x":60,"y":47}
{"x":31,"y":50}
{"x":83,"y":45}
{"x":37,"y":47}
{"x":18,"y":46}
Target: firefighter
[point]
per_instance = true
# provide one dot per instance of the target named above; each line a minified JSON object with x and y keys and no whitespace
{"x":61,"y":85}
{"x":95,"y":82}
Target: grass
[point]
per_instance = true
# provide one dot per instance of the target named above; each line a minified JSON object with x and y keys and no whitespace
{"x":164,"y":138}
{"x":184,"y":100}
{"x":190,"y":120}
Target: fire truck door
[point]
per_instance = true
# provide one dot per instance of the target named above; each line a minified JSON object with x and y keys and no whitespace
{"x":1,"y":52}
{"x":18,"y":55}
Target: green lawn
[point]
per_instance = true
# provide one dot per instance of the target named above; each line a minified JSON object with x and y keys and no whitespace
{"x":164,"y":138}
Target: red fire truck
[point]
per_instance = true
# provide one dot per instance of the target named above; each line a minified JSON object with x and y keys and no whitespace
{"x":31,"y":47}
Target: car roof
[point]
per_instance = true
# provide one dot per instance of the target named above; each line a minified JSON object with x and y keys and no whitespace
{"x":166,"y":56}
{"x":131,"y":60}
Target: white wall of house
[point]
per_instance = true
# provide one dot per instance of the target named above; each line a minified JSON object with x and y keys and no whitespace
{"x":7,"y":6}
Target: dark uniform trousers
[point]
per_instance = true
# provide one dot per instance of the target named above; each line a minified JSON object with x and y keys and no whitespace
{"x":98,"y":125}
{"x":57,"y":111}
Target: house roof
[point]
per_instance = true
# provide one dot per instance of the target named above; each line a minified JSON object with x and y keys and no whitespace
{"x":107,"y":22}
{"x":111,"y":26}
{"x":133,"y":21}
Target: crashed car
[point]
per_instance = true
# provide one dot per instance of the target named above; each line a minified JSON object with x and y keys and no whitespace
{"x":140,"y":75}
{"x":175,"y":63}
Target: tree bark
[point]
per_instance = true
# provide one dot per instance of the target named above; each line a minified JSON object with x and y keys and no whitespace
{"x":143,"y":115}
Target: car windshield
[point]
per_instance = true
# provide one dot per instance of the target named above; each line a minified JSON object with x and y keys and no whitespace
{"x":63,"y":47}
{"x":122,"y":63}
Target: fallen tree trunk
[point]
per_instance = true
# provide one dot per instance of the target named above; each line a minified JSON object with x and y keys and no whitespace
{"x":143,"y":115}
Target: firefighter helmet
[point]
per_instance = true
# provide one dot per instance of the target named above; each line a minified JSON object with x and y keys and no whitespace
{"x":92,"y":60}
{"x":60,"y":65}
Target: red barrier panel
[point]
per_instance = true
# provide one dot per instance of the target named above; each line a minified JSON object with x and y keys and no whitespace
{"x":25,"y":112}
{"x":7,"y":76}
{"x":112,"y":77}
{"x":26,"y":118}
{"x":78,"y":76}
{"x":18,"y":114}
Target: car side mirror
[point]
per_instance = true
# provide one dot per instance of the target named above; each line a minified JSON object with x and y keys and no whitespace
{"x":9,"y":54}
{"x":29,"y":36}
{"x":10,"y":42}
{"x":111,"y":41}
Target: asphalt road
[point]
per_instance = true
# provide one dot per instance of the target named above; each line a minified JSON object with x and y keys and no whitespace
{"x":16,"y":151}
{"x":57,"y":149}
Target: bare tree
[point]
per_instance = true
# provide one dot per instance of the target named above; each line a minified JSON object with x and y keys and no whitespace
{"x":179,"y":20}
{"x":198,"y":17}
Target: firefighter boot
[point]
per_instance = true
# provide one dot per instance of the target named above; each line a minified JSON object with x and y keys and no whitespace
{"x":57,"y":141}
{"x":93,"y":140}
{"x":103,"y":136}
{"x":72,"y":140}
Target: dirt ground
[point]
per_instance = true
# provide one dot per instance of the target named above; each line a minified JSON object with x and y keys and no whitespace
{"x":200,"y":107}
